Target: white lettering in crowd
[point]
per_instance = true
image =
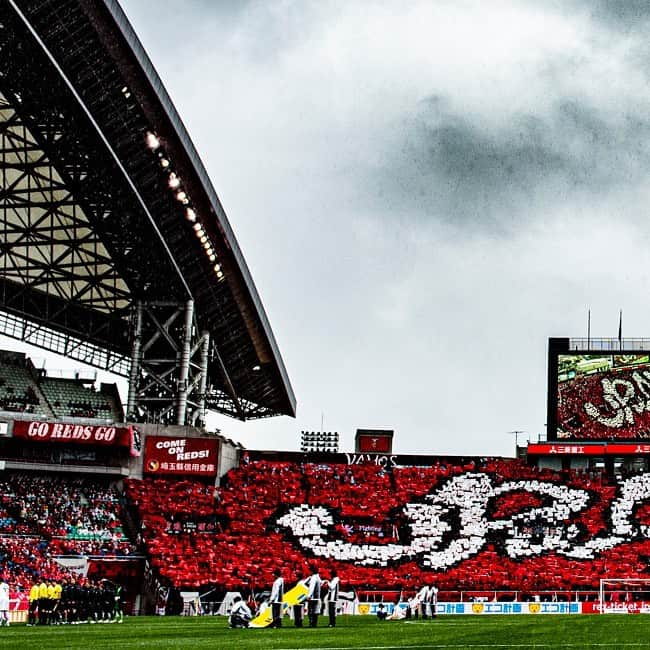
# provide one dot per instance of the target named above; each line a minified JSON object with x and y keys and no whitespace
{"x":625,"y":398}
{"x":378,"y":459}
{"x":454,"y":525}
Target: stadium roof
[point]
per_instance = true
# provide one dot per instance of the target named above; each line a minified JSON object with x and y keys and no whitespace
{"x":105,"y":202}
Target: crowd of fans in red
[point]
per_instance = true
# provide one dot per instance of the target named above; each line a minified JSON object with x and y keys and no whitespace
{"x":46,"y":516}
{"x":247,"y":544}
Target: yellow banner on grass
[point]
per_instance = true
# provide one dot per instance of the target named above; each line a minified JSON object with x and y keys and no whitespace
{"x":294,"y":596}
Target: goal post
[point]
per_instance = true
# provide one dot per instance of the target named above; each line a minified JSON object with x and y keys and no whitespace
{"x":622,"y":590}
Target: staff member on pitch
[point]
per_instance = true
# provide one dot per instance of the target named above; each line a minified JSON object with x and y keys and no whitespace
{"x":332,"y":597}
{"x":277,"y":594}
{"x":313,"y":597}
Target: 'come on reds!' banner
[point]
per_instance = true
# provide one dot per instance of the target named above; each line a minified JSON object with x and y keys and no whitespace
{"x":193,"y":456}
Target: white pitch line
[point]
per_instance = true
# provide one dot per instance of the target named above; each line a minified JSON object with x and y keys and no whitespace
{"x":478,"y":645}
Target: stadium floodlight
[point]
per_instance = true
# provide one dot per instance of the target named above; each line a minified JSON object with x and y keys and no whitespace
{"x":182,"y":197}
{"x":190,"y":215}
{"x":152,"y":140}
{"x":217,"y":268}
{"x":220,"y":275}
{"x":174,"y":181}
{"x":319,"y":441}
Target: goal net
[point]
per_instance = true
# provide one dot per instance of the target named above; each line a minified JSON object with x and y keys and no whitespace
{"x":624,"y":595}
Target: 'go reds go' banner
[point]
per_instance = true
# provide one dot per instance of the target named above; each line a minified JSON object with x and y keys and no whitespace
{"x":194,"y":456}
{"x":88,"y":434}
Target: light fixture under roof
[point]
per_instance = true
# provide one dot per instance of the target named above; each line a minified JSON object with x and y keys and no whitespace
{"x":173,"y":181}
{"x":152,"y":140}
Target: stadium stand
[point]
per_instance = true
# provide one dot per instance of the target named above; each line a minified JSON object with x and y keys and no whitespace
{"x":370,"y":505}
{"x":71,"y":398}
{"x":44,"y":517}
{"x":19,"y":390}
{"x":23,"y":389}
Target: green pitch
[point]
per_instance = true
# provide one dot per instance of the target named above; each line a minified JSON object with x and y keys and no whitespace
{"x":608,"y":631}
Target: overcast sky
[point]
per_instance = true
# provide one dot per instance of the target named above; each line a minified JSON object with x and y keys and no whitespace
{"x":424,"y":193}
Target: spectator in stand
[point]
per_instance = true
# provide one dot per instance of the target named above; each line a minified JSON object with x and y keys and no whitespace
{"x":277,"y":594}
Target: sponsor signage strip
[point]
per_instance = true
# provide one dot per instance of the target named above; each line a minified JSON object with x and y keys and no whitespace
{"x":613,"y":449}
{"x":477,"y":609}
{"x":562,"y":449}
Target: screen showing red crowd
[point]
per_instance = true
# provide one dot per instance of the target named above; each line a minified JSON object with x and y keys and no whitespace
{"x":604,"y":396}
{"x":193,"y":456}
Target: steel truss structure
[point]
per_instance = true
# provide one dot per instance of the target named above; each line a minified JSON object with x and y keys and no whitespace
{"x":114,"y":248}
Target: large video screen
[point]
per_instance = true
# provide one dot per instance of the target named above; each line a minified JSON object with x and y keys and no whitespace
{"x":601,"y":396}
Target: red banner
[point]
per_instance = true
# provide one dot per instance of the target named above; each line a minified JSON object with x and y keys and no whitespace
{"x":641,"y":448}
{"x":632,"y":607}
{"x":613,"y":449}
{"x":187,"y":456}
{"x":84,"y":434}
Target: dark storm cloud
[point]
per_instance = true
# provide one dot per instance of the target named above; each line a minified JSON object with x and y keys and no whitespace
{"x":460,"y":170}
{"x":619,"y":14}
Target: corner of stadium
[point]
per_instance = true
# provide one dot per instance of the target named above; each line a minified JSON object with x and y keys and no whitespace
{"x":117,"y":254}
